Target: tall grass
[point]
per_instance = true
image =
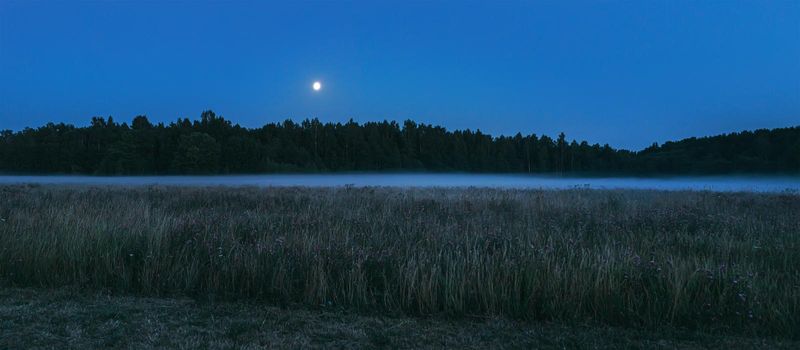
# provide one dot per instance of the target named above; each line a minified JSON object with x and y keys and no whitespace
{"x":699,"y":260}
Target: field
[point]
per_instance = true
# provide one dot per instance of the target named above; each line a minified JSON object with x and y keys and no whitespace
{"x":719,"y":263}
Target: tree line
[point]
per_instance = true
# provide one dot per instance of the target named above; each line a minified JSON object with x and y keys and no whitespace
{"x":214,"y":145}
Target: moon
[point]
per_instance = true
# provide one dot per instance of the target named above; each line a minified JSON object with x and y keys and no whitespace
{"x":316,"y":86}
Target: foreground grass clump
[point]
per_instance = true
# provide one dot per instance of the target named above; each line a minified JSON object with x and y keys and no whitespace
{"x":699,"y":260}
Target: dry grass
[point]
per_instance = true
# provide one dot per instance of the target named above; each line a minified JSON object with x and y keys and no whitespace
{"x":697,"y":260}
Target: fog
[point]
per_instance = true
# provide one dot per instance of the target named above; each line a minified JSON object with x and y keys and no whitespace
{"x":717,"y":183}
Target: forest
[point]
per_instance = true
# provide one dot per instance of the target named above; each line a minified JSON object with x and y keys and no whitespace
{"x":215,"y":145}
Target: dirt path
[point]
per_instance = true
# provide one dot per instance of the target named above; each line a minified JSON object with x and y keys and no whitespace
{"x":32,"y":318}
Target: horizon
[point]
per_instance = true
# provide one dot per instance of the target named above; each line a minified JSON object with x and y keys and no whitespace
{"x":597,"y":72}
{"x":167,"y":123}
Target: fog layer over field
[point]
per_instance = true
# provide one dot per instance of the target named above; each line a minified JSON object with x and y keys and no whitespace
{"x":710,"y":183}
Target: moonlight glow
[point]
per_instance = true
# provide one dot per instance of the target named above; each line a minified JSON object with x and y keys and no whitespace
{"x":317,"y":85}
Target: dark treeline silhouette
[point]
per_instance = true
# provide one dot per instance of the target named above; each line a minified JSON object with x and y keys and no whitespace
{"x":214,"y":145}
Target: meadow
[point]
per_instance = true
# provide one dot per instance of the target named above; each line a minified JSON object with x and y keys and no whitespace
{"x":705,"y":261}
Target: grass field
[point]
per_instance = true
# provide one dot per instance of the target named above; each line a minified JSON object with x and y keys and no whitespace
{"x":697,"y":261}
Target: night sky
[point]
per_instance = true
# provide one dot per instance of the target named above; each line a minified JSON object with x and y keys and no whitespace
{"x":624,"y":73}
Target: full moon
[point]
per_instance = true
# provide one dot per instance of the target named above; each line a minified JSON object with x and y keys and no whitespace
{"x":317,"y":85}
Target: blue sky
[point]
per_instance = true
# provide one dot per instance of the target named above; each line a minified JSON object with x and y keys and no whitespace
{"x":623,"y":73}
